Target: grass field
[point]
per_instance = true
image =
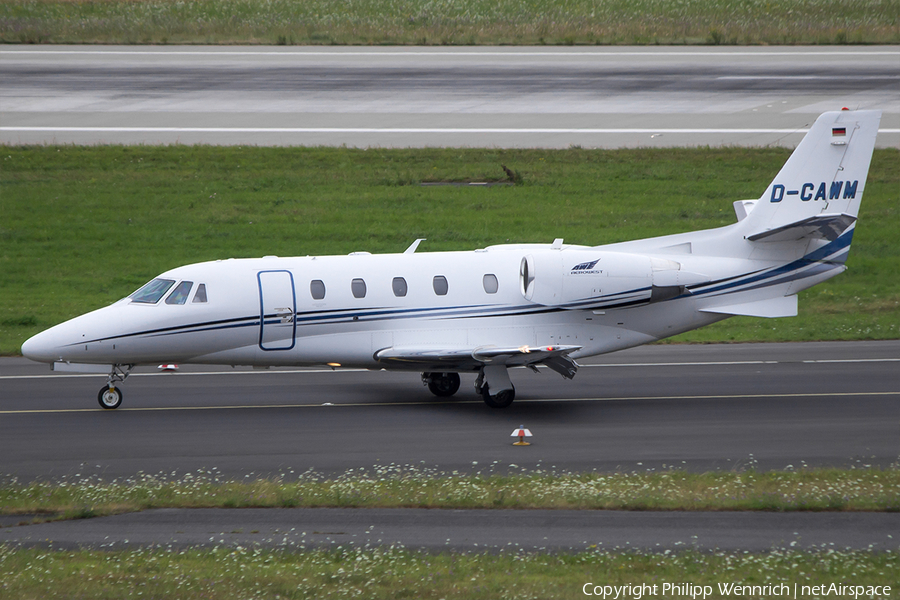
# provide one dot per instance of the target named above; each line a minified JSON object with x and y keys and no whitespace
{"x":392,"y":573}
{"x":82,"y":227}
{"x":450,"y":22}
{"x":298,"y":571}
{"x":393,"y":486}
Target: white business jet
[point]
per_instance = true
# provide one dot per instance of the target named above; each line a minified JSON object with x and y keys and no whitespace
{"x":487,"y":310}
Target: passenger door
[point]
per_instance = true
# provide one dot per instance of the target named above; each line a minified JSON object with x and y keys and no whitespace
{"x":278,"y":307}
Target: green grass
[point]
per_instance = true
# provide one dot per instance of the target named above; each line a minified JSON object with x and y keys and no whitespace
{"x":392,"y":573}
{"x":411,"y":487}
{"x":450,"y":22}
{"x":298,"y":571}
{"x":82,"y":227}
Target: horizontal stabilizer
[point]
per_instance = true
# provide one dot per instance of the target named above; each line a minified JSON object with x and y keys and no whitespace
{"x":783,"y":306}
{"x":825,"y":226}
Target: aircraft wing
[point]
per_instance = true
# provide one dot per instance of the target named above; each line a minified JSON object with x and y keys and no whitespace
{"x":472,"y":359}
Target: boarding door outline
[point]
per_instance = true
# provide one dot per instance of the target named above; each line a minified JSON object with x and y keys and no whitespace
{"x":277,"y":309}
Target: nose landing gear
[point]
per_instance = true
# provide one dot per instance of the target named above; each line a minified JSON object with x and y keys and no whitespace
{"x":110,"y":396}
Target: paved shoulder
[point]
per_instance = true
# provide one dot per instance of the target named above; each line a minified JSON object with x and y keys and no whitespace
{"x":469,"y":530}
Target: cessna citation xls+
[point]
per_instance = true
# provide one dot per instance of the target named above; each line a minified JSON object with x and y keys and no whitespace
{"x":484,"y":311}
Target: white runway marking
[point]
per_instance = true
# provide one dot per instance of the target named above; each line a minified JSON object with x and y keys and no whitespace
{"x":440,"y":52}
{"x":795,"y":77}
{"x":399,"y":130}
{"x":205,"y":373}
{"x":588,"y":366}
{"x":438,"y":402}
{"x":744,"y":362}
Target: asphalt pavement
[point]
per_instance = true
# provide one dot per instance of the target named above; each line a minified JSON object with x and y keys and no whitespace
{"x":699,"y":407}
{"x":607,"y":97}
{"x":467,"y":530}
{"x":696,"y":407}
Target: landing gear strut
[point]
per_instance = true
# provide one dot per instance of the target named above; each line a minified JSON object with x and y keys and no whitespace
{"x":110,"y":396}
{"x":501,"y":399}
{"x":441,"y":384}
{"x":495,"y":376}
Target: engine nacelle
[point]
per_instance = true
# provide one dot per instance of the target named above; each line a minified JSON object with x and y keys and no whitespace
{"x":576,"y":279}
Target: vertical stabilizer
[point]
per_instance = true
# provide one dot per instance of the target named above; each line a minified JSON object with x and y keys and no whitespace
{"x":818,"y":190}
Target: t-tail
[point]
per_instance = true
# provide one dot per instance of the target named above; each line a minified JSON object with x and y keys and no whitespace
{"x":810,"y":208}
{"x":797,"y":234}
{"x":808,"y":212}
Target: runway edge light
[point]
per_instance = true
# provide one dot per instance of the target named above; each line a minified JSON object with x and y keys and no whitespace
{"x":521,"y":433}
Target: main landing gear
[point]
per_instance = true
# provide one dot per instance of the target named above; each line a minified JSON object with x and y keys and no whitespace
{"x":110,"y":396}
{"x":496,"y":378}
{"x":492,"y":384}
{"x":442,"y":385}
{"x":501,"y":399}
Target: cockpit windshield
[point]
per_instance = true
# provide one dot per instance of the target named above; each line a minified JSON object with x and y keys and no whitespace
{"x":153,"y":291}
{"x":180,"y":295}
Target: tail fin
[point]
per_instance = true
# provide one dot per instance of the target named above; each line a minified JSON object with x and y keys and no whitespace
{"x":818,"y":190}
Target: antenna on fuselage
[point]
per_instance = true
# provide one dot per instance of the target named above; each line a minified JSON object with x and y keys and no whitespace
{"x":414,"y":245}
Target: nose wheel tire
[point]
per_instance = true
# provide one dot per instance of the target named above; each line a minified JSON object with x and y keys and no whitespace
{"x":443,"y":384}
{"x":110,"y":398}
{"x":500,"y":399}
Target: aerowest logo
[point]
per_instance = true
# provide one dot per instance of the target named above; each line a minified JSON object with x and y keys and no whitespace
{"x":836,"y":190}
{"x":586,"y":268}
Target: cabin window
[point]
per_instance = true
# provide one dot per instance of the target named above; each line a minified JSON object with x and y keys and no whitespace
{"x":490,"y":283}
{"x":440,"y":285}
{"x":181,"y":293}
{"x":358,"y":287}
{"x":200,"y":296}
{"x":399,"y":287}
{"x":317,"y":289}
{"x":153,"y":291}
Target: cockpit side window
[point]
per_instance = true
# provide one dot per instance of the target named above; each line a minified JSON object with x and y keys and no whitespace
{"x":181,"y":293}
{"x":153,"y":291}
{"x":200,"y":296}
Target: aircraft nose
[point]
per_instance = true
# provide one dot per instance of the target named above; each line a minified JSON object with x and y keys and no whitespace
{"x":41,"y":347}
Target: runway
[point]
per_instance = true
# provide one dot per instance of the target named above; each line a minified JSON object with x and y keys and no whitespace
{"x":767,"y":406}
{"x":694,"y":407}
{"x":555,"y":97}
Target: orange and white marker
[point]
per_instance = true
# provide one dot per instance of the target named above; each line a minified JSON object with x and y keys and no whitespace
{"x":169,"y":368}
{"x":521,"y":433}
